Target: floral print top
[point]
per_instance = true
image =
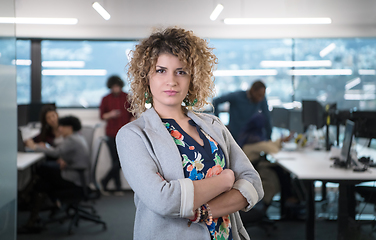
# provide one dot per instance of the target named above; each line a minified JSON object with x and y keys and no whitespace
{"x":201,"y":162}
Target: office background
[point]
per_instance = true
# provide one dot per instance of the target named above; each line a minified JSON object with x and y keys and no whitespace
{"x":258,"y":51}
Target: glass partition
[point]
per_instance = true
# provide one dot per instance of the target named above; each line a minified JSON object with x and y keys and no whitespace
{"x":8,"y":125}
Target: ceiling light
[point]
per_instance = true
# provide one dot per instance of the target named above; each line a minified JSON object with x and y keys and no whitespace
{"x":253,"y":72}
{"x":315,"y":72}
{"x":75,"y":72}
{"x":359,"y":95}
{"x":367,"y":72}
{"x":66,"y":64}
{"x":21,"y":62}
{"x":18,"y":20}
{"x":217,"y":10}
{"x":268,"y":21}
{"x":101,"y":10}
{"x":318,"y":63}
{"x":327,"y":50}
{"x":352,"y":83}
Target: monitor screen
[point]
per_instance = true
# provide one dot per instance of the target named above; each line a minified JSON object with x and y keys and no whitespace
{"x":23,"y":114}
{"x":347,"y":141}
{"x":280,"y":117}
{"x":35,"y":110}
{"x":312,"y":113}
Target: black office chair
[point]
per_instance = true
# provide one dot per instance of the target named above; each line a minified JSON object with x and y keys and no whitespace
{"x":368,"y":193}
{"x":77,"y":203}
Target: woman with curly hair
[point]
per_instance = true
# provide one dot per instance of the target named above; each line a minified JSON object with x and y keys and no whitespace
{"x":189,"y":176}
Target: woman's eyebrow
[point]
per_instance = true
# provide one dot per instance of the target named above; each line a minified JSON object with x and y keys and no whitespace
{"x":161,"y":67}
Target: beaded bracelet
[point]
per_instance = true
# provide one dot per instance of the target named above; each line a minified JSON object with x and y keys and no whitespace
{"x":197,"y":217}
{"x":210,"y":221}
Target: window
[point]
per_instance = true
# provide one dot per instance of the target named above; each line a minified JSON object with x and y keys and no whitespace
{"x":74,"y":73}
{"x":241,"y":62}
{"x":351,"y":84}
{"x":23,"y":64}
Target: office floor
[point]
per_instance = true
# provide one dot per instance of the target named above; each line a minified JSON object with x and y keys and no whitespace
{"x":118,"y":212}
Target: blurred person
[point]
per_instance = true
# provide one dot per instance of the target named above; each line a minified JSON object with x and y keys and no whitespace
{"x":243,"y":105}
{"x":58,"y":175}
{"x":114,"y":110}
{"x":49,"y":133}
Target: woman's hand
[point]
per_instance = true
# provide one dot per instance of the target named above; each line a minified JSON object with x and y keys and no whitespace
{"x":30,"y":144}
{"x":228,"y":179}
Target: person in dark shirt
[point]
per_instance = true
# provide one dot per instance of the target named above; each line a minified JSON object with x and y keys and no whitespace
{"x":49,"y":132}
{"x":243,"y":105}
{"x":113,"y":109}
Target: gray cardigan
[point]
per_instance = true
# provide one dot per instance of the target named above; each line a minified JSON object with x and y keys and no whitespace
{"x":145,"y":147}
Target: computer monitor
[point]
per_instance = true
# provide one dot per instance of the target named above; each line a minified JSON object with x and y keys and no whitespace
{"x":20,"y":142}
{"x":22,"y":114}
{"x":35,"y":110}
{"x":346,"y":145}
{"x":312,"y":113}
{"x":280,"y":117}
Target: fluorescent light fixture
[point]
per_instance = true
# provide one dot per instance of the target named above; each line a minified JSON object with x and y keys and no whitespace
{"x":318,"y":63}
{"x":277,"y":21}
{"x":19,"y":20}
{"x":321,"y":72}
{"x":359,"y":96}
{"x":367,"y":72}
{"x":327,"y":50}
{"x":253,"y":72}
{"x":352,"y":83}
{"x":21,"y":62}
{"x":75,"y":72}
{"x":64,"y":64}
{"x":217,"y":10}
{"x":101,"y":11}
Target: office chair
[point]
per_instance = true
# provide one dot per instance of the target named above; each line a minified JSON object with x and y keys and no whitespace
{"x":75,"y":201}
{"x":257,"y":217}
{"x":368,"y":193}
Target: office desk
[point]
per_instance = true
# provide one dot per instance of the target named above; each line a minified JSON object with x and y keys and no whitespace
{"x":310,"y":166}
{"x":26,"y":159}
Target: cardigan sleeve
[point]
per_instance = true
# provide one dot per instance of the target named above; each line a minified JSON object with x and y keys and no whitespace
{"x":140,"y":167}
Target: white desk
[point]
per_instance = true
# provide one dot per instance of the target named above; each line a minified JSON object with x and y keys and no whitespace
{"x":26,"y":159}
{"x":309,"y":166}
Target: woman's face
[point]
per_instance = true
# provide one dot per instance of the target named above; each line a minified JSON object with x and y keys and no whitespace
{"x":169,"y":82}
{"x":52,"y":119}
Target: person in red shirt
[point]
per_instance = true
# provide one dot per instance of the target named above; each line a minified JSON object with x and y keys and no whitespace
{"x":113,"y":109}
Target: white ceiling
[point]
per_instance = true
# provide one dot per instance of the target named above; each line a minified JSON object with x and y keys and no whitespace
{"x":132,"y":19}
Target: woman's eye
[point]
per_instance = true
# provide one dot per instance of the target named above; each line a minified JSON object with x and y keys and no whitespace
{"x":181,"y":73}
{"x":160,"y":70}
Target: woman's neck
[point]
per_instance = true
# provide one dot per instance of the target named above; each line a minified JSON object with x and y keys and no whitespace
{"x":171,"y":113}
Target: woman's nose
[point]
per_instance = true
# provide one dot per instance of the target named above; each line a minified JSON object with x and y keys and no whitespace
{"x":171,"y":79}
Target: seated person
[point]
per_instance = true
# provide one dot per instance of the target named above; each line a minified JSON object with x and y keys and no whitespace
{"x":253,"y":141}
{"x":58,"y":175}
{"x":49,"y":133}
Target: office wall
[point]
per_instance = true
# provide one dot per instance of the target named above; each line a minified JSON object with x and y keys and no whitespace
{"x":8,"y":125}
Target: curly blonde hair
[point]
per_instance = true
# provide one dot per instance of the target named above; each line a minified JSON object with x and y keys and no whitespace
{"x":192,"y":51}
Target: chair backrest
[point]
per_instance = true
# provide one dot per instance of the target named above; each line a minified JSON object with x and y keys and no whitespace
{"x":95,"y":151}
{"x":88,"y":133}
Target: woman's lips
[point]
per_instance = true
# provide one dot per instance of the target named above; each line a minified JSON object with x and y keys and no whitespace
{"x":170,"y":92}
